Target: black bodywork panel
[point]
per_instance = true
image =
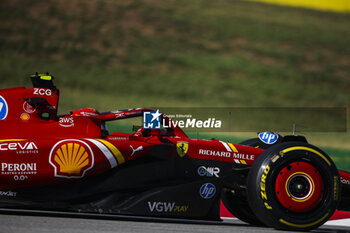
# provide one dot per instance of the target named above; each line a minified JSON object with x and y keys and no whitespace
{"x":154,"y":185}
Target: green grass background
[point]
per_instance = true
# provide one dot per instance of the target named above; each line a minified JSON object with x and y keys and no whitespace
{"x":226,"y":53}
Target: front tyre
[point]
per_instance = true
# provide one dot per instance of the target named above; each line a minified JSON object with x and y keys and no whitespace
{"x":293,"y":186}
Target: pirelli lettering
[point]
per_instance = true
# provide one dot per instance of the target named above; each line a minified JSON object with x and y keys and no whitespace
{"x":263,"y":186}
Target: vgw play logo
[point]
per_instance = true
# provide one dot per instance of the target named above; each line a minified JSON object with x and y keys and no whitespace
{"x":151,"y":120}
{"x":3,"y":108}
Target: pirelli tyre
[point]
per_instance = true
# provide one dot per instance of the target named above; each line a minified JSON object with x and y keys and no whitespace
{"x":293,"y":186}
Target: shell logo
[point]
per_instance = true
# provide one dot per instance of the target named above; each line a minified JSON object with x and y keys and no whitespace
{"x":71,"y":158}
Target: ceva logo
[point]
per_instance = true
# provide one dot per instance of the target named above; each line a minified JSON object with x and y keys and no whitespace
{"x":151,"y":120}
{"x":268,"y":137}
{"x":3,"y":108}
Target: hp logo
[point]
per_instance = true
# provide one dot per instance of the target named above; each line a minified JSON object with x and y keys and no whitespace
{"x":207,"y":190}
{"x":268,"y":137}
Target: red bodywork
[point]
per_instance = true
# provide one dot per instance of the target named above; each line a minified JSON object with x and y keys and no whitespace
{"x":37,"y":147}
{"x":77,"y":154}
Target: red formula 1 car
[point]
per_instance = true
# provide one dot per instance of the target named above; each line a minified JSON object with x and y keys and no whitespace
{"x":71,"y":163}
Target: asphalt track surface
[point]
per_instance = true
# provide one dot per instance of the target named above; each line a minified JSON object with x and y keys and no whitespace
{"x":26,"y":223}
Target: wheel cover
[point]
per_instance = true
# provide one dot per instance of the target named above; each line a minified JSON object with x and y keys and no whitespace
{"x":299,"y":186}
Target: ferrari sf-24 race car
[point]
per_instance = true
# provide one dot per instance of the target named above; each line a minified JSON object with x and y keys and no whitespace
{"x":71,"y":163}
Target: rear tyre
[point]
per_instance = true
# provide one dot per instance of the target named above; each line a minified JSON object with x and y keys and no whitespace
{"x":293,"y":186}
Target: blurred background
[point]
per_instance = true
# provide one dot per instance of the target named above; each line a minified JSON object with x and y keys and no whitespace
{"x":111,"y":54}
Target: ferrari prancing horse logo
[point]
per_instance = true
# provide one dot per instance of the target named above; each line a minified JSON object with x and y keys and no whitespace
{"x":182,"y":148}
